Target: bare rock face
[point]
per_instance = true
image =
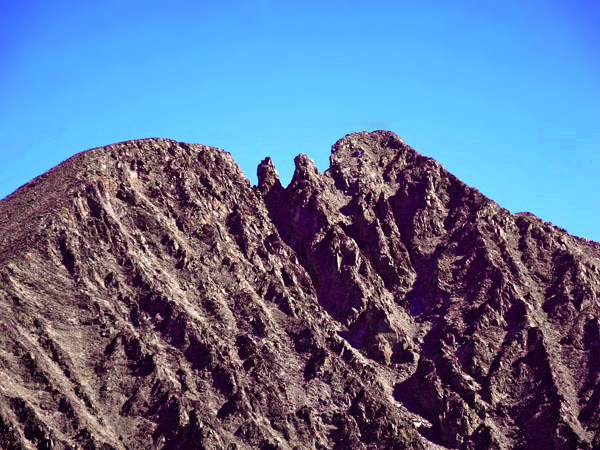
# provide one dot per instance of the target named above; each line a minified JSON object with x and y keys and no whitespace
{"x":151,"y":298}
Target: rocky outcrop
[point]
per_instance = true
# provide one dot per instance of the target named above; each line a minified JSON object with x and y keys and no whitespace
{"x":151,"y":298}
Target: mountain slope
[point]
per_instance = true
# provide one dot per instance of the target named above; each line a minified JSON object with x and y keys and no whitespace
{"x":151,"y":298}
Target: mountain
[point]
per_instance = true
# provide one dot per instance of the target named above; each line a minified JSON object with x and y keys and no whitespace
{"x":150,"y":297}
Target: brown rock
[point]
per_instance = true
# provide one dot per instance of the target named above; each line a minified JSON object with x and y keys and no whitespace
{"x":150,"y":298}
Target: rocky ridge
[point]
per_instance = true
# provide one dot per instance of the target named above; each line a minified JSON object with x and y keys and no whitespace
{"x":151,"y":298}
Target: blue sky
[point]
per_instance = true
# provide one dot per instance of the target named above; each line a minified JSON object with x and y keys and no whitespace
{"x":504,"y":94}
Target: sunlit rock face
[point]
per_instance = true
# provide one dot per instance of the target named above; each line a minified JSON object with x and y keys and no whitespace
{"x":151,"y":298}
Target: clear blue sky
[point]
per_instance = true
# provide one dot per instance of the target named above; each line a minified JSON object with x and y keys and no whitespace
{"x":505,"y":94}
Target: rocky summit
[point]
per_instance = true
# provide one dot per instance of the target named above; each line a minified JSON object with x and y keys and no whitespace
{"x":151,"y":298}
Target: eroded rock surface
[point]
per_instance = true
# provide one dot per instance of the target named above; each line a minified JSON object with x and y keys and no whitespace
{"x":151,"y":298}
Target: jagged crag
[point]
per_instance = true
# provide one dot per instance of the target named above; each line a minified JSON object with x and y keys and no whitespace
{"x":151,"y":298}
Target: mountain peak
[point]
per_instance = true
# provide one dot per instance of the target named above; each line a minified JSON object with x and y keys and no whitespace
{"x":152,"y":298}
{"x":367,"y":145}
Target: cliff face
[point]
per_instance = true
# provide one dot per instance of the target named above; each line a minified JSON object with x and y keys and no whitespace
{"x":151,"y":298}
